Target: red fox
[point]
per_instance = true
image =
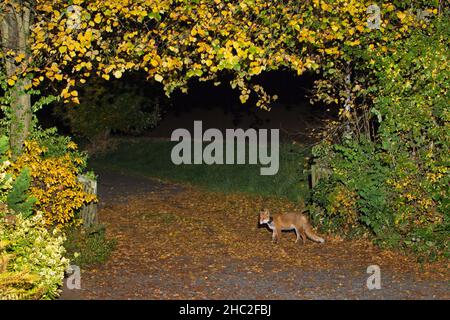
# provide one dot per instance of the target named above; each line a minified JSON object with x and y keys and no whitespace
{"x":289,"y":221}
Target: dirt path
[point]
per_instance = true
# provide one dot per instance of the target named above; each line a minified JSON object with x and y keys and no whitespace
{"x":175,"y":242}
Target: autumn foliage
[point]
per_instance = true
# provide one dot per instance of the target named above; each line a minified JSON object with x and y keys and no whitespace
{"x":386,"y":138}
{"x":54,"y":183}
{"x":392,"y":182}
{"x":174,"y":41}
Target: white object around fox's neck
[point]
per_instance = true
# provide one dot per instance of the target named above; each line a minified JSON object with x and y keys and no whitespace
{"x":269,"y":223}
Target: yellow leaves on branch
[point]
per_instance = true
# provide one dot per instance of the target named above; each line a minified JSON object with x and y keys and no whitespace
{"x":54,"y":183}
{"x":174,"y":41}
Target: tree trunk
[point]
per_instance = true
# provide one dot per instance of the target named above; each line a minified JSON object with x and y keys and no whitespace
{"x":14,"y":31}
{"x":21,"y":116}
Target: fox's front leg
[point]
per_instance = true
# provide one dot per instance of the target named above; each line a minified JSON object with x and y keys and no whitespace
{"x":275,"y":235}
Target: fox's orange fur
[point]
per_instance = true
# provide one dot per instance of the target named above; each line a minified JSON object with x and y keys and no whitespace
{"x":289,"y":221}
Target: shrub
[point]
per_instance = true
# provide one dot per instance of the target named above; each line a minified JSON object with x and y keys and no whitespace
{"x":118,"y":106}
{"x":15,"y":196}
{"x":54,"y":181}
{"x":18,"y":199}
{"x":88,"y":246}
{"x":31,"y":259}
{"x":13,"y":284}
{"x":397,"y":183}
{"x":355,"y":195}
{"x":56,"y":145}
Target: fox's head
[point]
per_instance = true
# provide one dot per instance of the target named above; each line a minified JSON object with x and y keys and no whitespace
{"x":264,"y":216}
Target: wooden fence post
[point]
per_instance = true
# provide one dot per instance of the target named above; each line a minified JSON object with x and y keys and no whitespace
{"x":89,"y":212}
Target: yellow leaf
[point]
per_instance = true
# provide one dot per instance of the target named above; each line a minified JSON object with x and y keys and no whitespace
{"x":158,"y":78}
{"x":20,"y":57}
{"x":325,"y":7}
{"x":243,"y":98}
{"x":401,"y":15}
{"x":88,"y":35}
{"x":62,"y":49}
{"x":98,"y":18}
{"x":118,"y":74}
{"x":154,"y":62}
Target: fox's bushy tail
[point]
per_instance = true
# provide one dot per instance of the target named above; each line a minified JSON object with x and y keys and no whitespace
{"x":311,"y":235}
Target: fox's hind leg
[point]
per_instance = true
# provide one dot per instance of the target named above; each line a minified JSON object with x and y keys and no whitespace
{"x":303,"y":235}
{"x":297,"y":232}
{"x":300,"y":234}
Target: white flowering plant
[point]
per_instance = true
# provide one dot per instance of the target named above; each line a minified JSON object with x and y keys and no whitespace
{"x":32,"y":262}
{"x":36,"y":253}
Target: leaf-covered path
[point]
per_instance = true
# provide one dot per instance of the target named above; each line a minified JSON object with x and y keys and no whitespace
{"x":177,"y":242}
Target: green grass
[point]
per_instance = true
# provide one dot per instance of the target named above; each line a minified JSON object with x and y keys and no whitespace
{"x":152,"y":159}
{"x":87,"y":247}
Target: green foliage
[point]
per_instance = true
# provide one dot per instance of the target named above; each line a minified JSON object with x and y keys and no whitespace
{"x":352,"y":195}
{"x":39,"y":101}
{"x":396,"y":185}
{"x":57,"y":145}
{"x":119,"y":106}
{"x":14,"y":193}
{"x":32,"y":258}
{"x":4,"y":145}
{"x":18,"y":286}
{"x":13,"y":284}
{"x":88,"y":246}
{"x":415,"y":136}
{"x":18,"y":198}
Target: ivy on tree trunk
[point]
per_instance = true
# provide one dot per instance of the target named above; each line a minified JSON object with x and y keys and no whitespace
{"x":14,"y":31}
